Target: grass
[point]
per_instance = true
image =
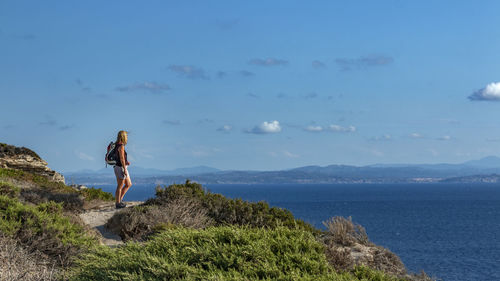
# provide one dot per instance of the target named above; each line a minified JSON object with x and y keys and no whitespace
{"x":8,"y":189}
{"x":36,"y":189}
{"x":96,"y":194}
{"x":40,"y":181}
{"x":43,"y":228}
{"x":217,"y":253}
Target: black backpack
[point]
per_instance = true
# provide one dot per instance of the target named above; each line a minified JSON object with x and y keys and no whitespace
{"x":110,"y":157}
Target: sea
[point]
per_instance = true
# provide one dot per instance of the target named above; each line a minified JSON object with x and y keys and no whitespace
{"x":451,"y":231}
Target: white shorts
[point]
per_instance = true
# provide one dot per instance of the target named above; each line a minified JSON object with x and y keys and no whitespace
{"x":120,"y":174}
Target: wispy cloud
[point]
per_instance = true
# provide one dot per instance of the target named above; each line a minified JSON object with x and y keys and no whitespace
{"x":268,"y":62}
{"x":330,"y":128}
{"x":82,"y":85}
{"x":189,"y":71}
{"x":246,"y":73}
{"x":385,"y":137}
{"x":340,"y":129}
{"x":65,"y":127}
{"x":444,"y":138}
{"x":271,"y":127}
{"x":489,"y":93}
{"x":151,"y":87}
{"x":416,"y":136}
{"x":311,"y":95}
{"x":252,"y":95}
{"x":225,"y":129}
{"x":50,"y":122}
{"x":313,"y":129}
{"x":346,"y":64}
{"x":316,"y":64}
{"x":290,"y":155}
{"x":205,"y":121}
{"x":172,"y":122}
{"x":84,"y":156}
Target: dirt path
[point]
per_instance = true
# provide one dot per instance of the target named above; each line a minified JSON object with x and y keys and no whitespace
{"x":97,"y":218}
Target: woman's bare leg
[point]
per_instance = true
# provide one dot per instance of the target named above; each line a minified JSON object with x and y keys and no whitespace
{"x":118,"y":192}
{"x":128,"y":184}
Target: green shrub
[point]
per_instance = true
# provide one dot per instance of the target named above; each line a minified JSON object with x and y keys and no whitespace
{"x":96,"y":194}
{"x":225,"y":211}
{"x":141,"y":221}
{"x":9,"y":189}
{"x":43,"y":228}
{"x":217,"y":253}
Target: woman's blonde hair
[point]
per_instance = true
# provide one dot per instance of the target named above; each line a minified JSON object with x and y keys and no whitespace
{"x":122,"y":137}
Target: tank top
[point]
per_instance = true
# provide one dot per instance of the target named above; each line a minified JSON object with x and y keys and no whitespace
{"x":118,"y":160}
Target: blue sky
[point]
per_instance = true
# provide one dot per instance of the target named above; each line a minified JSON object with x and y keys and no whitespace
{"x":259,"y":85}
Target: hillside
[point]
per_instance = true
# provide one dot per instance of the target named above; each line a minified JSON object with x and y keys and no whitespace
{"x":380,"y":173}
{"x":183,"y":233}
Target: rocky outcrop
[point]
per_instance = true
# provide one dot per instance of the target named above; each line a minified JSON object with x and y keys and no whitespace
{"x":21,"y":158}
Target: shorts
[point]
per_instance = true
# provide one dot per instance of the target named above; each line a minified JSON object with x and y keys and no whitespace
{"x":120,"y":174}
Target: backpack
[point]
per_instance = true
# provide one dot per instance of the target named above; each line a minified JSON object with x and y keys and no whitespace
{"x":110,"y":157}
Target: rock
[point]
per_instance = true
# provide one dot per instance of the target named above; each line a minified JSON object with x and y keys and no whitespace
{"x":21,"y":158}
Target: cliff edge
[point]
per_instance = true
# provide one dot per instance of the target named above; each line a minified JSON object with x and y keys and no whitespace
{"x":21,"y":158}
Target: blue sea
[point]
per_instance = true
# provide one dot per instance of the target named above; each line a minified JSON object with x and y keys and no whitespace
{"x":451,"y":231}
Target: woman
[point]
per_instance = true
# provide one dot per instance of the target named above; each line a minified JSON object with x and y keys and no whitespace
{"x":122,"y":176}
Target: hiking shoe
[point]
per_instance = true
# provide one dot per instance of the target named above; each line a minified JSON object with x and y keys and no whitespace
{"x":120,"y":205}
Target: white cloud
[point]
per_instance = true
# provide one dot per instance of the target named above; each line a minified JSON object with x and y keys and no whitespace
{"x":189,"y":71}
{"x":416,"y":136}
{"x":289,"y":154}
{"x":151,"y":87}
{"x":385,"y":137}
{"x":268,"y":62}
{"x":346,"y":64}
{"x":84,"y":156}
{"x":313,"y":129}
{"x":225,"y":128}
{"x":444,"y":138}
{"x":490,"y":93}
{"x":340,"y":129}
{"x":266,"y":128}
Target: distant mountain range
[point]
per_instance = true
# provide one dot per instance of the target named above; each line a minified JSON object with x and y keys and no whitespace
{"x":482,"y":170}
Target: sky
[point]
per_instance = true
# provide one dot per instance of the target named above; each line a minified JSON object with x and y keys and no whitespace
{"x":251,"y":85}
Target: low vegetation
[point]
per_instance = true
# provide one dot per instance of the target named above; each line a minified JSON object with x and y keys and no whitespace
{"x":218,"y":253}
{"x":142,"y":221}
{"x":43,"y":229}
{"x":191,"y":200}
{"x":10,"y":150}
{"x":96,"y":194}
{"x":38,"y":189}
{"x":184,"y":233}
{"x":16,"y":263}
{"x":9,"y":190}
{"x":347,"y":246}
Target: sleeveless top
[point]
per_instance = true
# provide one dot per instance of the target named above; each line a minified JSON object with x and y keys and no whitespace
{"x":118,"y":160}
